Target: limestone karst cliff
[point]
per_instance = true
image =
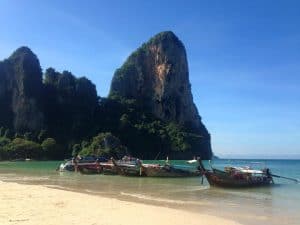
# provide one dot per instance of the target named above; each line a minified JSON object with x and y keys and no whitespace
{"x":150,"y":107}
{"x":157,"y":75}
{"x":21,"y":91}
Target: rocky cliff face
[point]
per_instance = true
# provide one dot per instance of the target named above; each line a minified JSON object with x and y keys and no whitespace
{"x":163,"y":115}
{"x":157,"y":75}
{"x":21,"y":91}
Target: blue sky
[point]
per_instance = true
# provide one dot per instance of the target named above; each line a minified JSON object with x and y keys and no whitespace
{"x":244,"y":57}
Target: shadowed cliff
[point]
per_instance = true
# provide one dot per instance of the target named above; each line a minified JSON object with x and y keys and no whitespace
{"x":21,"y":91}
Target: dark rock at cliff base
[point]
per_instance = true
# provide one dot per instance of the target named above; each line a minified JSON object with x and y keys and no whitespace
{"x":21,"y":91}
{"x":157,"y":76}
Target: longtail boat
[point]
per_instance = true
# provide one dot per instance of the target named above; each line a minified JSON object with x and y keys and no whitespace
{"x":106,"y":168}
{"x":237,"y":177}
{"x":137,"y":168}
{"x":156,"y":170}
{"x":129,"y":168}
{"x":85,"y":164}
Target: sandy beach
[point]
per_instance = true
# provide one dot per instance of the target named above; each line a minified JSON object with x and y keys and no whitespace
{"x":35,"y":205}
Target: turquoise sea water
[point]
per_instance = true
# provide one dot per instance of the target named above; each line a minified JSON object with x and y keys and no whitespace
{"x":278,"y":204}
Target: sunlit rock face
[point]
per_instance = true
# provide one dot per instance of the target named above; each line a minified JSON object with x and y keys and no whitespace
{"x":157,"y":75}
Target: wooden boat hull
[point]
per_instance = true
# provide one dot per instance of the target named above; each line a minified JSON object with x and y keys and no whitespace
{"x":151,"y":170}
{"x":163,"y":171}
{"x":105,"y":168}
{"x":225,"y":180}
{"x":130,"y":171}
{"x":85,"y":170}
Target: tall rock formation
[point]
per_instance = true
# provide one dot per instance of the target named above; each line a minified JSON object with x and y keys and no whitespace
{"x":163,"y":115}
{"x":21,"y":91}
{"x":157,"y":75}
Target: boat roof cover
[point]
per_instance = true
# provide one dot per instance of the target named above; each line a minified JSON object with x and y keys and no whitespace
{"x":248,"y":170}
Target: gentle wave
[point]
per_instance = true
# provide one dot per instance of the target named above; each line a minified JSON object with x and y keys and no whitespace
{"x":162,"y":200}
{"x":191,"y":189}
{"x":8,"y":174}
{"x":24,"y":178}
{"x":254,"y":195}
{"x":60,"y":187}
{"x":94,"y":192}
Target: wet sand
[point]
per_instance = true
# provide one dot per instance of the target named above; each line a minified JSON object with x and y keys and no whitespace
{"x":34,"y":205}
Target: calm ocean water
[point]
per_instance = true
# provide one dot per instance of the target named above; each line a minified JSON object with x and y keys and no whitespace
{"x":278,"y":204}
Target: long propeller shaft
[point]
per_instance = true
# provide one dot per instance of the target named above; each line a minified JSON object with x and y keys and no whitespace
{"x":287,"y":178}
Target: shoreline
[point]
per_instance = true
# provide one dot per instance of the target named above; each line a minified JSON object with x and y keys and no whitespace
{"x":36,"y":204}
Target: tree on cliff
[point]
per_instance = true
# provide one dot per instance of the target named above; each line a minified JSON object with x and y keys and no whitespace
{"x":106,"y":145}
{"x":51,"y":149}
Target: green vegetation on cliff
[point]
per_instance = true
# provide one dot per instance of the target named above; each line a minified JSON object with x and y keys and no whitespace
{"x":156,"y":76}
{"x":55,"y":114}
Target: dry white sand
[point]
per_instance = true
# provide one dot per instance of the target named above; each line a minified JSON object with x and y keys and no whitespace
{"x":37,"y":205}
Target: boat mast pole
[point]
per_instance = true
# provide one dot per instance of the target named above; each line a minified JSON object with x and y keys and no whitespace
{"x":201,"y":168}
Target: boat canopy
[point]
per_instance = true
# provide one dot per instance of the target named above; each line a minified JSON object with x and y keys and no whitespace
{"x":248,"y":170}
